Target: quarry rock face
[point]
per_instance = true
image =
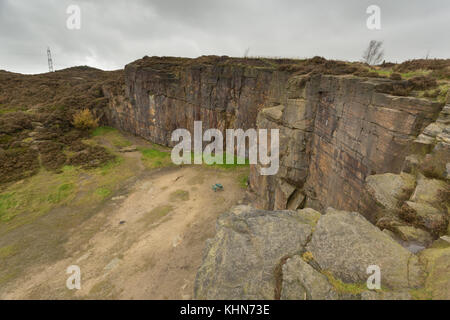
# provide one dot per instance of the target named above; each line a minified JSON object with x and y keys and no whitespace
{"x":414,"y":204}
{"x":344,"y":143}
{"x":259,"y":254}
{"x":336,"y":132}
{"x":161,"y":96}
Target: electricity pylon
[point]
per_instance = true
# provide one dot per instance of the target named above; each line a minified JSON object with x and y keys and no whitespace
{"x":50,"y":61}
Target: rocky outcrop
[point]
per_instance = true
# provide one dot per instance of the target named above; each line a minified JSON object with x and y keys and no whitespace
{"x":335,"y":132}
{"x":239,"y":262}
{"x":415,"y":203}
{"x":344,"y":143}
{"x":164,"y":94}
{"x":258,"y":254}
{"x":437,"y":261}
{"x":338,"y":231}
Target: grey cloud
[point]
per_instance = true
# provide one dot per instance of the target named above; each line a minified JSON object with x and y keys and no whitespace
{"x":115,"y":32}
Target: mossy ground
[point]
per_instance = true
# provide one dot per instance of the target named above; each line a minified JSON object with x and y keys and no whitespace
{"x":37,"y":213}
{"x":345,"y":288}
{"x":439,"y":93}
{"x":156,"y":157}
{"x":112,"y":135}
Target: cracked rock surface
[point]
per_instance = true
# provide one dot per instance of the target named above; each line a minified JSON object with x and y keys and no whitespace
{"x":258,"y":254}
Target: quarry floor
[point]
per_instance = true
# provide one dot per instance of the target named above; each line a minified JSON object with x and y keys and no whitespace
{"x":144,"y":241}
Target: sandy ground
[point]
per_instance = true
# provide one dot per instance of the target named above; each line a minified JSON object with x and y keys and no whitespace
{"x":144,"y":243}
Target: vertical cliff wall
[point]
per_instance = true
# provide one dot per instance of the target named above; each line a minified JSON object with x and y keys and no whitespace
{"x":334,"y":133}
{"x":335,"y":130}
{"x":164,"y":94}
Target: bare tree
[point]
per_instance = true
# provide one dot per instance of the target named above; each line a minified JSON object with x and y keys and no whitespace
{"x":374,"y":53}
{"x":246,"y":52}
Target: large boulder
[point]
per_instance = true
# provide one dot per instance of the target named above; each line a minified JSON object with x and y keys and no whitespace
{"x":302,"y":254}
{"x":431,"y":191}
{"x":437,"y":260}
{"x":302,"y":282}
{"x":240,"y":262}
{"x":346,"y":244}
{"x":425,"y":216}
{"x":388,"y":190}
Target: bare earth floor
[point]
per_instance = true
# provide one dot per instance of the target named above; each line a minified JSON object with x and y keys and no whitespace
{"x":144,"y":242}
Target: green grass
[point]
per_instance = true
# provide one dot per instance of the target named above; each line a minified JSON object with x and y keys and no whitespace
{"x":243,"y":178}
{"x":5,"y":110}
{"x":438,"y":94}
{"x":37,"y":194}
{"x":101,"y":131}
{"x":7,"y":251}
{"x":103,"y":192}
{"x":405,"y":75}
{"x":63,"y":191}
{"x":416,"y":73}
{"x":37,"y":213}
{"x":421,"y":294}
{"x":8,"y":202}
{"x":108,"y":167}
{"x":26,"y":200}
{"x":153,"y":158}
{"x":345,"y":288}
{"x":112,"y":135}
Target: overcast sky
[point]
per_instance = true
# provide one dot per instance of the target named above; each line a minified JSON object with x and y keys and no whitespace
{"x":114,"y":33}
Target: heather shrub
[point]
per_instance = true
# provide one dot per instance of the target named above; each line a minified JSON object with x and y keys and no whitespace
{"x":84,"y":120}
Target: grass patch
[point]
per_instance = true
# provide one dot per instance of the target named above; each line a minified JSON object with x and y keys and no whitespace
{"x":103,"y":192}
{"x":28,"y":199}
{"x":39,"y":212}
{"x":405,"y":75}
{"x":8,"y":251}
{"x":179,"y":195}
{"x":61,"y":193}
{"x":8,"y":202}
{"x":102,"y":290}
{"x":108,"y":167}
{"x":101,"y":131}
{"x":420,"y":294}
{"x":156,"y":214}
{"x":112,"y":135}
{"x":5,"y":110}
{"x":37,"y":195}
{"x":153,"y":158}
{"x":243,"y":179}
{"x":345,"y":288}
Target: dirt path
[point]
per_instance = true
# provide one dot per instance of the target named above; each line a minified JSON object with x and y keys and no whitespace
{"x":145,"y":243}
